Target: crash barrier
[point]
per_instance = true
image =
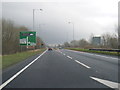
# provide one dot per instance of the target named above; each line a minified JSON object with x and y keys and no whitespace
{"x":109,"y":50}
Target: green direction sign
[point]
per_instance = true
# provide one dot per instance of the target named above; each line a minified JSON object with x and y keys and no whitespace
{"x":28,"y":38}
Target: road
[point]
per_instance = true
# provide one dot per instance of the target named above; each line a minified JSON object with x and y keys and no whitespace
{"x":63,"y":69}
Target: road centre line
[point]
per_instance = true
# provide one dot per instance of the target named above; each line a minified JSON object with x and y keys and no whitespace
{"x":106,"y":82}
{"x":82,"y":64}
{"x":18,"y":73}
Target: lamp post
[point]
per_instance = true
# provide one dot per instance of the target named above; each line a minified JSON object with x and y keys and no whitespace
{"x":67,"y":36}
{"x":34,"y":17}
{"x":73,"y":31}
{"x":41,"y":35}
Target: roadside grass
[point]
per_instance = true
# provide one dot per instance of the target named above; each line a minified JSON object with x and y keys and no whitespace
{"x":9,"y":60}
{"x":92,"y":51}
{"x":0,"y":62}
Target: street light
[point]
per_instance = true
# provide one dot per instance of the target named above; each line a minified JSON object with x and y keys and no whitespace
{"x":67,"y":36}
{"x":41,"y":30}
{"x":73,"y":31}
{"x":33,"y":16}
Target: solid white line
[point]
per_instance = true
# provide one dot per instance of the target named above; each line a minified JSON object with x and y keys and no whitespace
{"x":106,"y":82}
{"x":18,"y":73}
{"x":69,"y":57}
{"x":82,"y":64}
{"x":92,"y":54}
{"x":106,"y":56}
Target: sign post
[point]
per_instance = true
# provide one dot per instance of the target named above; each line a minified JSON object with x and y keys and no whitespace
{"x":28,"y":38}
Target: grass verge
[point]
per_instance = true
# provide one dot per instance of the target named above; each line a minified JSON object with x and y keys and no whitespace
{"x":9,"y":60}
{"x":92,"y":51}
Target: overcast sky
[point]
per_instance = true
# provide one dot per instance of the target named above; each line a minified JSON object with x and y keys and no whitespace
{"x":89,"y":17}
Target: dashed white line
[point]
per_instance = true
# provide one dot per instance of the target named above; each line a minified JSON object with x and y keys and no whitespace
{"x":18,"y":73}
{"x":69,"y":57}
{"x":106,"y":82}
{"x":82,"y":64}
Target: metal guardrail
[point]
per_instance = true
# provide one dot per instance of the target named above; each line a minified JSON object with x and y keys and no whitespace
{"x":109,"y":50}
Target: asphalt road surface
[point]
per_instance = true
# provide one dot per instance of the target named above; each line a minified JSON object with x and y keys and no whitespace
{"x":63,"y":69}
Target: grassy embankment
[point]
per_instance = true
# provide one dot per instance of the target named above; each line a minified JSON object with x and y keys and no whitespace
{"x":93,"y":51}
{"x":9,"y":60}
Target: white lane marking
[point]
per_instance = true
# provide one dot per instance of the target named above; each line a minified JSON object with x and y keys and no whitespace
{"x":18,"y":73}
{"x":82,"y":64}
{"x":92,"y":54}
{"x":106,"y":82}
{"x":69,"y":57}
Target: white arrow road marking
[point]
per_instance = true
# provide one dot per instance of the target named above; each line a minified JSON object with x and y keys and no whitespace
{"x":69,"y":57}
{"x":106,"y":82}
{"x":82,"y":64}
{"x":18,"y":73}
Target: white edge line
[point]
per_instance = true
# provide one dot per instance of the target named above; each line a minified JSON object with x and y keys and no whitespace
{"x":69,"y":57}
{"x":18,"y":73}
{"x":106,"y":82}
{"x":106,"y":56}
{"x":92,"y":54}
{"x":82,"y":64}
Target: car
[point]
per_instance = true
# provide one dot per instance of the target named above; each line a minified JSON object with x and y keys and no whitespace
{"x":49,"y":49}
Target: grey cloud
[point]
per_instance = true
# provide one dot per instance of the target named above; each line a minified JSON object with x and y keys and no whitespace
{"x":52,"y":23}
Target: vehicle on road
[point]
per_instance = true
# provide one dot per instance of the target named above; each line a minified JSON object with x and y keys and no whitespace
{"x":49,"y":49}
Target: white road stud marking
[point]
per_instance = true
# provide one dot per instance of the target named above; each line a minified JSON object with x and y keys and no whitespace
{"x":82,"y":64}
{"x":18,"y":73}
{"x":106,"y":82}
{"x":69,"y":57}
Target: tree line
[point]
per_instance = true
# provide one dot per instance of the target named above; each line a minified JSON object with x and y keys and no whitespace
{"x":108,"y":41}
{"x":10,"y":38}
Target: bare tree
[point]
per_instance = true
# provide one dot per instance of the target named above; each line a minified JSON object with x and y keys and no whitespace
{"x":90,"y":39}
{"x":10,"y":37}
{"x":66,"y":44}
{"x":110,"y":40}
{"x":83,"y":43}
